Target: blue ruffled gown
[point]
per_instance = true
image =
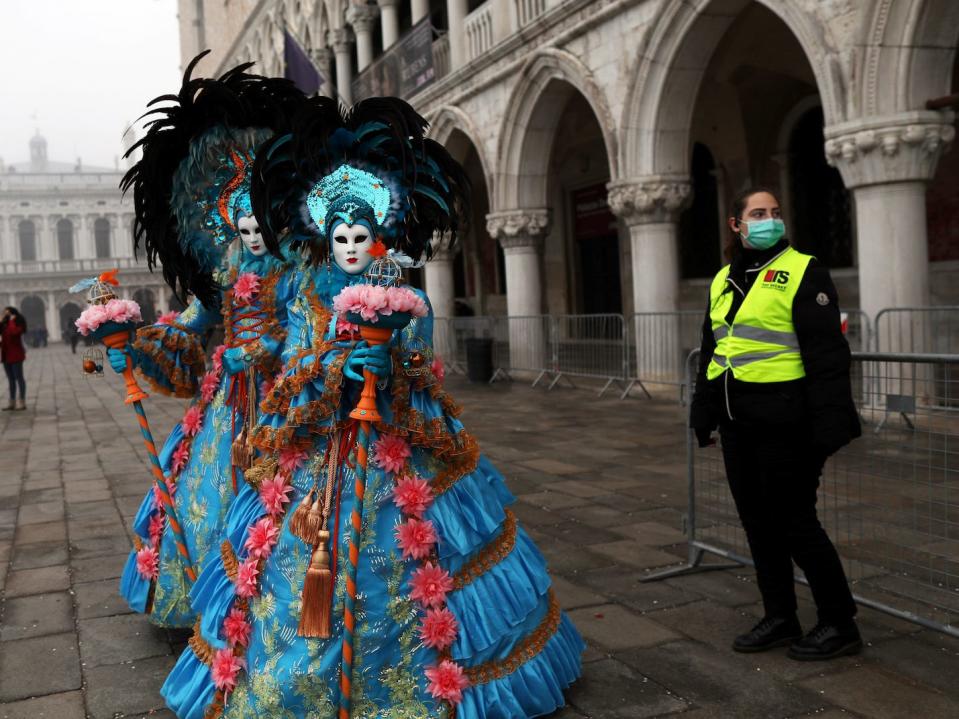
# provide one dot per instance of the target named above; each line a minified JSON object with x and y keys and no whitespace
{"x":171,"y":358}
{"x":513,"y":644}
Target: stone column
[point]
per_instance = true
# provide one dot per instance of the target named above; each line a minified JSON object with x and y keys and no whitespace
{"x":389,"y":21}
{"x":342,"y":45}
{"x":887,"y":163}
{"x":419,"y":10}
{"x":323,"y":59}
{"x":440,"y":288}
{"x":362,"y":18}
{"x":456,"y":12}
{"x":650,"y":207}
{"x":52,"y":317}
{"x":521,"y":234}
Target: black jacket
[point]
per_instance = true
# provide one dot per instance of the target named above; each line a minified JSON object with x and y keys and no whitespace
{"x":821,"y":403}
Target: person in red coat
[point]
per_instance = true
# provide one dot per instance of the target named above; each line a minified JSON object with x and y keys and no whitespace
{"x":12,"y":328}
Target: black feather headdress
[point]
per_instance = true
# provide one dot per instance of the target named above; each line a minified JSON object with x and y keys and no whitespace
{"x":373,"y":159}
{"x":189,"y":150}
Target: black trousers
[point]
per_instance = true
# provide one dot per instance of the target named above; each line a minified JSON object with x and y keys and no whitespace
{"x":14,"y":372}
{"x":773,"y":473}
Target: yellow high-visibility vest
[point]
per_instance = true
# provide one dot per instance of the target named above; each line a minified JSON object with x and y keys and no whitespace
{"x":760,"y":345}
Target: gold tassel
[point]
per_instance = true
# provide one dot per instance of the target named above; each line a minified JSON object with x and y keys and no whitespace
{"x":242,"y":452}
{"x":298,"y":520}
{"x":315,"y":609}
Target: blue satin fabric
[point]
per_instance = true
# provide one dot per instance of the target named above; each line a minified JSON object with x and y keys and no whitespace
{"x":204,"y":488}
{"x":291,"y":676}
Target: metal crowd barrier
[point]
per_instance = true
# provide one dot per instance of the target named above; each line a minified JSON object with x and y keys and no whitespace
{"x":889,"y":500}
{"x":658,"y":343}
{"x":917,"y":329}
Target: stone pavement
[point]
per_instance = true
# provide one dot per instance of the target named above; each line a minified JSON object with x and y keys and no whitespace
{"x":601,"y":488}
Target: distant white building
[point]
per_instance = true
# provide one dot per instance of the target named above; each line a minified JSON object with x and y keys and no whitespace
{"x":61,"y":222}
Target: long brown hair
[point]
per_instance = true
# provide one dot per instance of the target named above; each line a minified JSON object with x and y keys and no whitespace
{"x":734,"y":245}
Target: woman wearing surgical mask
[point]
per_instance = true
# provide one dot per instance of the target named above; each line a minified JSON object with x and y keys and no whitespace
{"x":774,"y":378}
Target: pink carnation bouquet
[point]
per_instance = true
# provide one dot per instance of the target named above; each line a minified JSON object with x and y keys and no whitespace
{"x":108,"y":316}
{"x":371,"y":303}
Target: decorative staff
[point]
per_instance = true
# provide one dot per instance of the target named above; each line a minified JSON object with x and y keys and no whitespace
{"x":111,"y":320}
{"x":378,"y":307}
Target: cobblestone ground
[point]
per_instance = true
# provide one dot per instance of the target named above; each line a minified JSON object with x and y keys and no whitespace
{"x":600,"y":486}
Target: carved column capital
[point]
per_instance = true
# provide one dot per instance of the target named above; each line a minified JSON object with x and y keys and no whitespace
{"x":649,"y":199}
{"x":341,"y":40}
{"x":882,"y":150}
{"x":362,"y":17}
{"x":519,"y":229}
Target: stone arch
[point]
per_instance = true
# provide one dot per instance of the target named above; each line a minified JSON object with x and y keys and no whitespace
{"x":447,"y":120}
{"x":34,"y":310}
{"x":913,"y":43}
{"x":545,"y":84}
{"x":670,"y":64}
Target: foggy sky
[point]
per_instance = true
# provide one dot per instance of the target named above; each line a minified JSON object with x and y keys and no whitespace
{"x":80,"y":71}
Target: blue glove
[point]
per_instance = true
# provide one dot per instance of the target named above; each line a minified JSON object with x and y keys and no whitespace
{"x":375,"y":359}
{"x":235,"y":360}
{"x":118,"y":359}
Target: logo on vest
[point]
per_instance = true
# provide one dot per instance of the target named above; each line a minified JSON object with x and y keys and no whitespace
{"x":776,"y":279}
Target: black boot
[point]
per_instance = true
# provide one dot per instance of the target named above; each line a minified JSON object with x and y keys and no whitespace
{"x":771,"y":632}
{"x":827,"y":641}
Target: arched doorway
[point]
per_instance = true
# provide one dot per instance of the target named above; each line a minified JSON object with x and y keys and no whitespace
{"x":147,"y":302}
{"x":65,"y":239}
{"x":942,"y":214}
{"x":479,"y":277}
{"x":101,"y":237}
{"x":584,"y":227}
{"x":34,"y":311}
{"x":27,"y":234}
{"x":751,"y":83}
{"x":68,"y":315}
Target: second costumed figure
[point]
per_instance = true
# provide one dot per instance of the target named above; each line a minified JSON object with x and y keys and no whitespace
{"x":379,"y":571}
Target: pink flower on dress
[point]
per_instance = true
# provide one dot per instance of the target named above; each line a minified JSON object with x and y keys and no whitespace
{"x":236,"y":630}
{"x":226,"y":667}
{"x":416,"y":538}
{"x":148,"y":563}
{"x":157,"y":524}
{"x":447,"y":681}
{"x":292,"y":459}
{"x":391,"y":452}
{"x":262,"y":537}
{"x":218,"y":359}
{"x":209,"y":385}
{"x":430,"y":584}
{"x":181,"y":456}
{"x":246,"y":287}
{"x":412,"y":495}
{"x":192,"y":421}
{"x":168,"y":318}
{"x":439,"y":628}
{"x":439,"y":369}
{"x":246,"y":574}
{"x":274,"y":494}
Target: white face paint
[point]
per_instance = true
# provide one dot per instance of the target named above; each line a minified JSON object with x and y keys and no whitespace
{"x":250,"y":234}
{"x":351,"y":244}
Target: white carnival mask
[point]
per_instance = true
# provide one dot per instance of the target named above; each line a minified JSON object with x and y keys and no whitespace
{"x":249,"y":230}
{"x":351,"y":245}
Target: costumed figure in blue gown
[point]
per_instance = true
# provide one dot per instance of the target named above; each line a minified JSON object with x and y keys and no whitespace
{"x":193,"y":214}
{"x":381,"y":573}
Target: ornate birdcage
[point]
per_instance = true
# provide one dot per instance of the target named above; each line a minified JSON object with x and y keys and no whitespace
{"x":101,"y":292}
{"x":384,"y":271}
{"x":93,"y":362}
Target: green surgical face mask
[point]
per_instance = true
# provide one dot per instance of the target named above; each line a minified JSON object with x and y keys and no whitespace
{"x":763,"y":234}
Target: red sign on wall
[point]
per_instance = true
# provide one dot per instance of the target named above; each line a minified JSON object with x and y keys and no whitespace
{"x":592,"y":219}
